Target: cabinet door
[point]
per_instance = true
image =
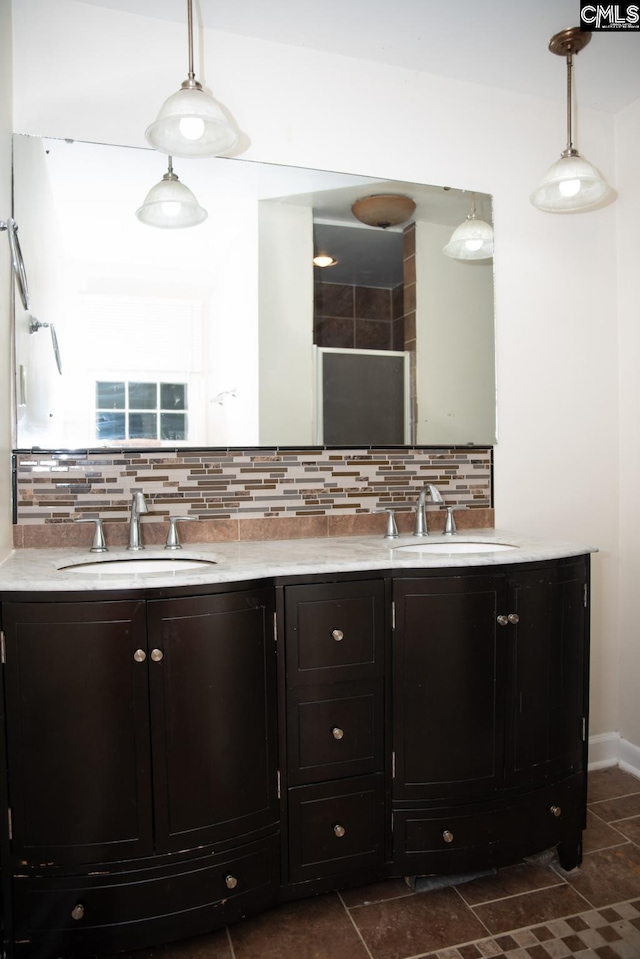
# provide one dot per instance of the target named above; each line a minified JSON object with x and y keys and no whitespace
{"x":78,"y":731}
{"x":549,"y":658}
{"x":449,"y":680}
{"x":212,"y":679}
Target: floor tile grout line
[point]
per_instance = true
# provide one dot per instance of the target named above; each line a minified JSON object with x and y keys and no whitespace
{"x":353,"y":923}
{"x":592,"y":802}
{"x":473,"y":913}
{"x":561,"y":881}
{"x":230,"y":941}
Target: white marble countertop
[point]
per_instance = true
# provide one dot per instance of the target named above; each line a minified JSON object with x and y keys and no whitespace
{"x":65,"y":569}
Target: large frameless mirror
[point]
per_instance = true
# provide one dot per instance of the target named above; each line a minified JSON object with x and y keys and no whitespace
{"x":227,"y":334}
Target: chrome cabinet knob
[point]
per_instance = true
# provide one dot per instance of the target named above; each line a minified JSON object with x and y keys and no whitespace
{"x":447,"y":835}
{"x":337,"y":733}
{"x":503,"y":620}
{"x":513,"y":618}
{"x":139,"y":655}
{"x":157,"y":655}
{"x":339,"y":830}
{"x":78,"y":911}
{"x":337,"y":634}
{"x":230,"y":881}
{"x":556,"y":811}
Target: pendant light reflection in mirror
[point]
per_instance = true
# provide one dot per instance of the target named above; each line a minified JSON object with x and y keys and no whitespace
{"x":170,"y":205}
{"x":571,"y":184}
{"x":473,"y":239}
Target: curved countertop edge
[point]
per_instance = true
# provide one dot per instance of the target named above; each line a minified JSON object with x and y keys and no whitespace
{"x":38,"y":570}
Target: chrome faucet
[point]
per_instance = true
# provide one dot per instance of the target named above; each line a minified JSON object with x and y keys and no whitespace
{"x":420,"y":528}
{"x":138,"y":506}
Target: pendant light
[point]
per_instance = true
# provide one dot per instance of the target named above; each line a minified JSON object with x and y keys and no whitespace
{"x":170,"y":205}
{"x":572,"y":183}
{"x":473,"y":239}
{"x":190,"y":122}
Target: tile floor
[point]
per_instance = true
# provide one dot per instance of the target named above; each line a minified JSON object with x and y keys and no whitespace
{"x":533,"y":910}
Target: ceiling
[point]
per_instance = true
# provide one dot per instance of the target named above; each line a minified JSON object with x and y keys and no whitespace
{"x":497,"y":43}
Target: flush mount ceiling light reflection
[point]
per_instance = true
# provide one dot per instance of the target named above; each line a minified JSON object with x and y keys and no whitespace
{"x":190,"y":122}
{"x":323,"y":260}
{"x":383,"y":210}
{"x":170,"y":205}
{"x":571,"y":184}
{"x":473,"y":239}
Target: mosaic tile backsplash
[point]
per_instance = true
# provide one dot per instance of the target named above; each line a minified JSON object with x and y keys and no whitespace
{"x":243,"y":494}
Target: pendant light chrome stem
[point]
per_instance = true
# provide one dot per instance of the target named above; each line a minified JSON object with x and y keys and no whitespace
{"x":571,"y":184}
{"x":191,"y":74}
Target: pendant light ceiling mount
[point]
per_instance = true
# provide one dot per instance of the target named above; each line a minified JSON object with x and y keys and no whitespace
{"x":571,"y":184}
{"x":190,"y":122}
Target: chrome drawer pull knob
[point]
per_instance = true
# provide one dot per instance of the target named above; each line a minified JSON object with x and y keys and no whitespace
{"x":157,"y":655}
{"x":447,"y":836}
{"x":230,"y":881}
{"x":337,"y":733}
{"x":139,"y":655}
{"x":513,"y":618}
{"x":78,"y":911}
{"x":556,"y":811}
{"x":503,"y":620}
{"x":339,"y":830}
{"x":337,"y":634}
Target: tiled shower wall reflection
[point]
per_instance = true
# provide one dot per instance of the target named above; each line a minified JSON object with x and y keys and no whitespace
{"x":243,"y":494}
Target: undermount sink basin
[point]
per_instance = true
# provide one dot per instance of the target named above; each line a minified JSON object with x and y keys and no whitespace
{"x":456,"y":546}
{"x":137,"y":565}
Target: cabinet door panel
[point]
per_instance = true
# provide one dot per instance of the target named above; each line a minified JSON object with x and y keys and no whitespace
{"x":78,"y":731}
{"x":448,"y":672}
{"x":213,"y":717}
{"x":549,"y":648}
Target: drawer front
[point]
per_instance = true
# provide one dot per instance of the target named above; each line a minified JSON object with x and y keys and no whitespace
{"x":463,"y":839}
{"x":336,"y":827}
{"x":334,"y":631}
{"x":77,"y":910}
{"x":335,"y":731}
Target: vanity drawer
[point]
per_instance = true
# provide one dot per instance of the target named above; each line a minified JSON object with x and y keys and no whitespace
{"x":336,"y":827}
{"x":77,"y":913}
{"x":434,"y":841}
{"x":334,"y":731}
{"x":334,"y":632}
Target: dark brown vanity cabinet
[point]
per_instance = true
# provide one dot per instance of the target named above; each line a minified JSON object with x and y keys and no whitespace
{"x":428,"y":721}
{"x":490,"y":713}
{"x":335,"y":682}
{"x":137,"y":731}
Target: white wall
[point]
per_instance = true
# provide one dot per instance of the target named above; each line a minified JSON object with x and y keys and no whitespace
{"x":557,"y":454}
{"x":455,"y":364}
{"x":628,"y":283}
{"x":285,"y":346}
{"x":6,"y":531}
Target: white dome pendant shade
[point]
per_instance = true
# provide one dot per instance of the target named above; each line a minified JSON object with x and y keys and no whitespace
{"x":472,"y":240}
{"x":571,"y":184}
{"x":170,"y":205}
{"x":190,"y":122}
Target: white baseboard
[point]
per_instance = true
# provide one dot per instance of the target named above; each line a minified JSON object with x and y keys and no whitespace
{"x":609,"y":749}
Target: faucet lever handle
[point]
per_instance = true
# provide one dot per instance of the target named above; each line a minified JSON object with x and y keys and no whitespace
{"x":98,"y":545}
{"x":450,"y":523}
{"x":392,"y":528}
{"x":173,"y":541}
